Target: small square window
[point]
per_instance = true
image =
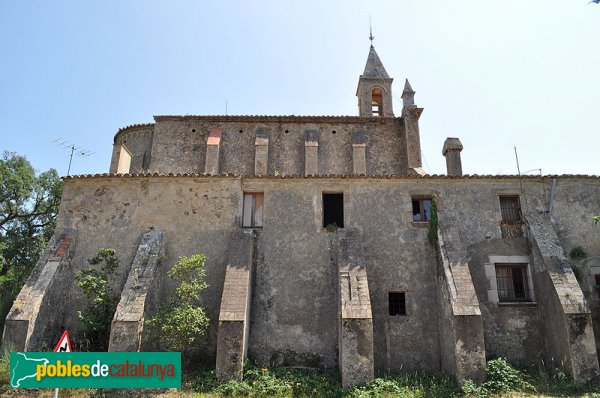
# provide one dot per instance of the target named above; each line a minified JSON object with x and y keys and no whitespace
{"x":513,"y":283}
{"x":510,"y":208}
{"x":421,"y":209}
{"x":397,"y":303}
{"x":253,"y":210}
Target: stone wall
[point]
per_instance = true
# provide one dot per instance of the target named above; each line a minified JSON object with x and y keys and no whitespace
{"x":138,"y":141}
{"x":179,"y":144}
{"x":294,"y":297}
{"x":512,"y":331}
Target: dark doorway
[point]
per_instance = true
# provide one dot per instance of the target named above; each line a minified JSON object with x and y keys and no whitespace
{"x":333,"y":209}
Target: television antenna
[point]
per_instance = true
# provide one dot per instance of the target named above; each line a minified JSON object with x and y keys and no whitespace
{"x":75,"y":150}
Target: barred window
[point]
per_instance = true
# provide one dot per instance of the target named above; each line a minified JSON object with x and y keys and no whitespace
{"x":510,"y":208}
{"x":513,"y":283}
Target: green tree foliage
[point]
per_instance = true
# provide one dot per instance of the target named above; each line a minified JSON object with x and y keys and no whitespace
{"x":183,"y":323}
{"x":97,"y":315}
{"x":28,"y":211}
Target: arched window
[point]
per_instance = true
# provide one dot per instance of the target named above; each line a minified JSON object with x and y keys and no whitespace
{"x":377,"y":102}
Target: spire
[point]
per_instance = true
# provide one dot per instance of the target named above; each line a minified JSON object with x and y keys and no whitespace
{"x":407,"y":88}
{"x":374,"y":89}
{"x":408,"y":94}
{"x":374,"y":68}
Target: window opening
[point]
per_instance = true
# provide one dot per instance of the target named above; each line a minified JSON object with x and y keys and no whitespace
{"x":253,"y":210}
{"x":333,"y":209}
{"x":377,"y":102}
{"x":421,"y":209}
{"x":513,"y":283}
{"x":397,"y":303}
{"x":597,"y":280}
{"x":510,"y":208}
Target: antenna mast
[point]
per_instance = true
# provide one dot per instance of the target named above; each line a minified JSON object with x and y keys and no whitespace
{"x":75,"y":150}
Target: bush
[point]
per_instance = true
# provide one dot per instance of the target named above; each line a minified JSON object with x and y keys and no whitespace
{"x":234,"y":389}
{"x":183,"y":323}
{"x":577,"y":252}
{"x":332,"y":227}
{"x":97,"y":316}
{"x":501,"y":378}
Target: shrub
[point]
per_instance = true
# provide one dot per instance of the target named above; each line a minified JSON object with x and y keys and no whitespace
{"x":184,"y":321}
{"x":97,"y":315}
{"x":577,"y":252}
{"x":501,"y":378}
{"x":332,"y":227}
{"x":234,"y":388}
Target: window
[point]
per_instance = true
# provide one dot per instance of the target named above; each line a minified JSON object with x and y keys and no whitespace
{"x":597,"y":280}
{"x":333,"y":209}
{"x":421,"y":209}
{"x":513,"y":283}
{"x":511,"y":209}
{"x":253,"y":209}
{"x":377,"y":102}
{"x":397,"y":303}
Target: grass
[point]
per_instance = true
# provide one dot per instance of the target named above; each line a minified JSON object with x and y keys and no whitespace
{"x":305,"y":383}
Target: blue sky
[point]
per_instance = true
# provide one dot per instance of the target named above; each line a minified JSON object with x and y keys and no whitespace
{"x":496,"y":74}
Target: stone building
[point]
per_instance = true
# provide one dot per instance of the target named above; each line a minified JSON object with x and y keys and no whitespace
{"x":325,"y":249}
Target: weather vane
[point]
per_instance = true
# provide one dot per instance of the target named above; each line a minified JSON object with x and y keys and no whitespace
{"x":370,"y":32}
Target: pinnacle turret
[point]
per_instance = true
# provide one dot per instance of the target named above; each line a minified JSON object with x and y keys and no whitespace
{"x":408,"y":94}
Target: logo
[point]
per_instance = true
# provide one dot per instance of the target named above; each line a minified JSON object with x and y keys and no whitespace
{"x":95,"y":369}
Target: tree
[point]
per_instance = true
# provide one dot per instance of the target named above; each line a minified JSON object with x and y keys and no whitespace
{"x":102,"y":302}
{"x":28,"y":211}
{"x":182,"y":324}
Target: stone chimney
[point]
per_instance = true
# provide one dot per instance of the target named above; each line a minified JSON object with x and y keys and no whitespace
{"x":451,"y":150}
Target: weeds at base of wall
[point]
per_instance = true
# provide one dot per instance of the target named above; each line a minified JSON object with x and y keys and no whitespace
{"x":501,"y":378}
{"x":309,"y":383}
{"x":5,"y":365}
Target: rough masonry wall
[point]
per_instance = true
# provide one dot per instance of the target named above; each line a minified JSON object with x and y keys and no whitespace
{"x":574,"y":204}
{"x":196,"y":215}
{"x":294,"y":302}
{"x":516,"y":331}
{"x":294,"y":311}
{"x":512,"y":331}
{"x":399,"y":258}
{"x":138,"y":141}
{"x":180,"y":144}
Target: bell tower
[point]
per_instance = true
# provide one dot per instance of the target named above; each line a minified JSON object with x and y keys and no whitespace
{"x":374,"y":90}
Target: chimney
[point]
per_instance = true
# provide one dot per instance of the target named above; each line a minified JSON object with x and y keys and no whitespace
{"x":451,"y":150}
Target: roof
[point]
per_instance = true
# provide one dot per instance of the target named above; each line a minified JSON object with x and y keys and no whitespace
{"x":348,"y":177}
{"x":374,"y":68}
